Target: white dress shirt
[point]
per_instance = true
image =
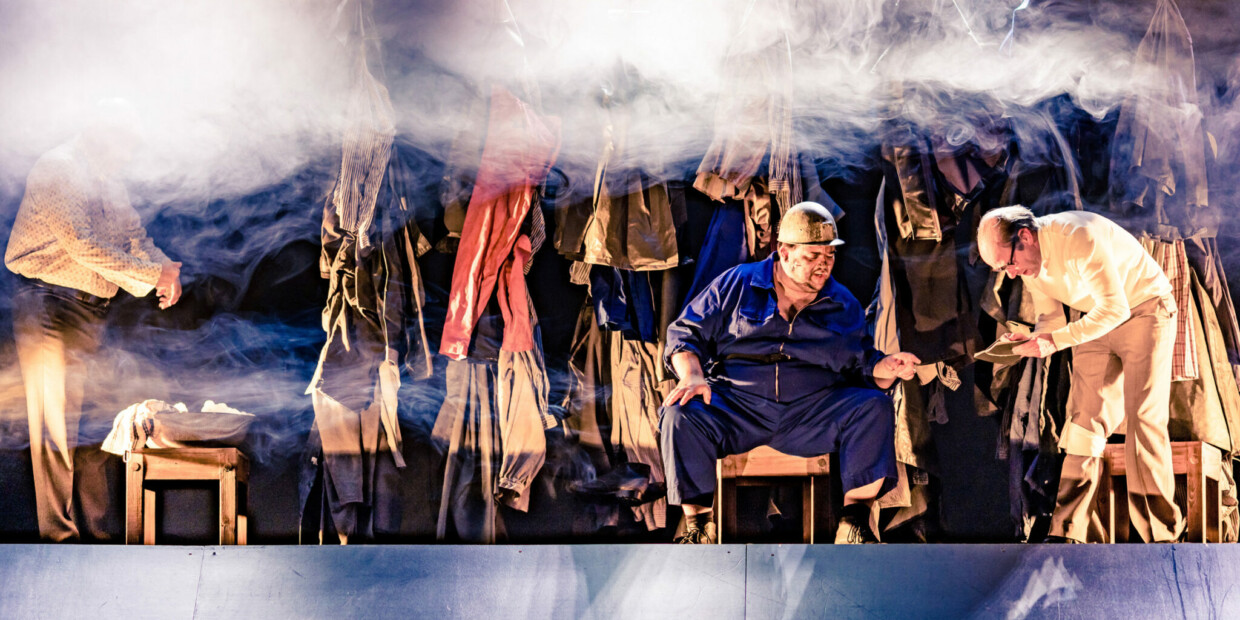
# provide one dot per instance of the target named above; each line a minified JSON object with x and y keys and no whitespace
{"x":1092,"y":265}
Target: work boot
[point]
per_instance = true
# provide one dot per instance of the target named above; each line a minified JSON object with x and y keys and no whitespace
{"x":855,"y":526}
{"x":698,"y":533}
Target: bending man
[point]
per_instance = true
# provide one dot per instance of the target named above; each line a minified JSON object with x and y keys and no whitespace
{"x":777,"y":353}
{"x":1122,"y":349}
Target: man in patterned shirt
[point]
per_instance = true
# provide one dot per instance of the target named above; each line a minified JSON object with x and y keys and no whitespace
{"x":75,"y":242}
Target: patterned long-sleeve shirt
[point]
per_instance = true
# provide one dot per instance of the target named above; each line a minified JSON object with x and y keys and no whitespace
{"x":76,"y":228}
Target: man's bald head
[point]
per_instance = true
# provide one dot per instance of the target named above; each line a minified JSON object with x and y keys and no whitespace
{"x":114,"y":132}
{"x":1007,"y":240}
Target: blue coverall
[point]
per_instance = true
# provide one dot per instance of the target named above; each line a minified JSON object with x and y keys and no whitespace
{"x":803,"y":387}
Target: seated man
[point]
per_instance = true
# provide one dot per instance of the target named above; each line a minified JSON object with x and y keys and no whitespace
{"x":1122,"y":349}
{"x":789,"y":365}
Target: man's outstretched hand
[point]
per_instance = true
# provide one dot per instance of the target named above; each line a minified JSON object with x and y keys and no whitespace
{"x":1034,"y":345}
{"x":895,"y":366}
{"x":168,"y":288}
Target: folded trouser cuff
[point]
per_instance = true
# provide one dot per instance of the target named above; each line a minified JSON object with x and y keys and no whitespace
{"x":1080,"y":441}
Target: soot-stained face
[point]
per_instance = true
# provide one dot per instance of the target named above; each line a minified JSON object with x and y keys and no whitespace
{"x":807,"y":266}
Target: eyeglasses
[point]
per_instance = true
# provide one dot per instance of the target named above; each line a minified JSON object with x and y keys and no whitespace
{"x":1011,"y":257}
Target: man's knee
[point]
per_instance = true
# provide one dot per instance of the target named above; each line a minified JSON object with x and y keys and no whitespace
{"x":671,"y":417}
{"x":877,"y":400}
{"x":676,"y":429}
{"x":690,"y":417}
{"x":875,"y":409}
{"x":692,"y":432}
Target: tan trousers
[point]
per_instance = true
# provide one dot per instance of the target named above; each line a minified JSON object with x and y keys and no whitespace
{"x":56,"y":335}
{"x":1122,"y":377}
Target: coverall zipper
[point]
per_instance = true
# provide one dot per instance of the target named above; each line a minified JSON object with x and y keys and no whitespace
{"x":781,"y":344}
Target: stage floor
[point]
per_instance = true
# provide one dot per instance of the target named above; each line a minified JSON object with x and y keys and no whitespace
{"x":621,"y":581}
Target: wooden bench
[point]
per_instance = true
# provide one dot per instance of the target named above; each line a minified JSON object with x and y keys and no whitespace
{"x":227,"y":465}
{"x":764,"y":466}
{"x":1199,"y":465}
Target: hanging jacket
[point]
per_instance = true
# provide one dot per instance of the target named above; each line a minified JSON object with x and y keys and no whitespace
{"x":752,"y":157}
{"x":938,"y":283}
{"x":635,"y":218}
{"x":365,"y":152}
{"x":520,"y":148}
{"x":1158,"y":168}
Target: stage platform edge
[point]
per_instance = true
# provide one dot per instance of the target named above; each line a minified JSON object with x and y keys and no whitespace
{"x":621,"y":581}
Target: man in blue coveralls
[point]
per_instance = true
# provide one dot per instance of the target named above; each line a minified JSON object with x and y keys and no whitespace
{"x":789,"y":364}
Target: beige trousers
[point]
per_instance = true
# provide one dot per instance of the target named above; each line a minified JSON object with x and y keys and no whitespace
{"x":56,"y":336}
{"x":1122,"y":377}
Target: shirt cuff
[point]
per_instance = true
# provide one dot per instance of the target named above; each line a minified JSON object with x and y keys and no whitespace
{"x":867,"y":371}
{"x":1062,"y":338}
{"x":144,"y":279}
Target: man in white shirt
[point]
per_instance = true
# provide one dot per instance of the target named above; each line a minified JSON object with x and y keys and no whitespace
{"x":1122,"y":350}
{"x":76,"y":241}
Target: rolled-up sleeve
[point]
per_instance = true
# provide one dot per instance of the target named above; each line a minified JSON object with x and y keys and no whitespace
{"x":868,"y":359}
{"x":697,"y":327}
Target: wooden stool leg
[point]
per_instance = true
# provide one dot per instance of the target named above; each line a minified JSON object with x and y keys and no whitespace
{"x":1196,"y":517}
{"x":719,"y":505}
{"x":807,"y":510}
{"x":1212,"y":469}
{"x":824,"y":510}
{"x":134,"y":474}
{"x":1214,"y":516}
{"x":148,"y":516}
{"x":1105,"y":500}
{"x":228,"y":506}
{"x":727,"y":501}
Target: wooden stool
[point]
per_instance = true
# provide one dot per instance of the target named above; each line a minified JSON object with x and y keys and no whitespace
{"x":228,"y":465}
{"x":764,"y":466}
{"x":1199,"y":464}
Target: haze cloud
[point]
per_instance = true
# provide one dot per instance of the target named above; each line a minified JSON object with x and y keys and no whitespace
{"x":234,"y":94}
{"x":238,"y":95}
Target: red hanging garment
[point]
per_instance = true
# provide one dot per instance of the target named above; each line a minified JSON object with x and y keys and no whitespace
{"x":520,"y":148}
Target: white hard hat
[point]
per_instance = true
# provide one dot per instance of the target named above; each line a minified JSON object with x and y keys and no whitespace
{"x":808,"y":223}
